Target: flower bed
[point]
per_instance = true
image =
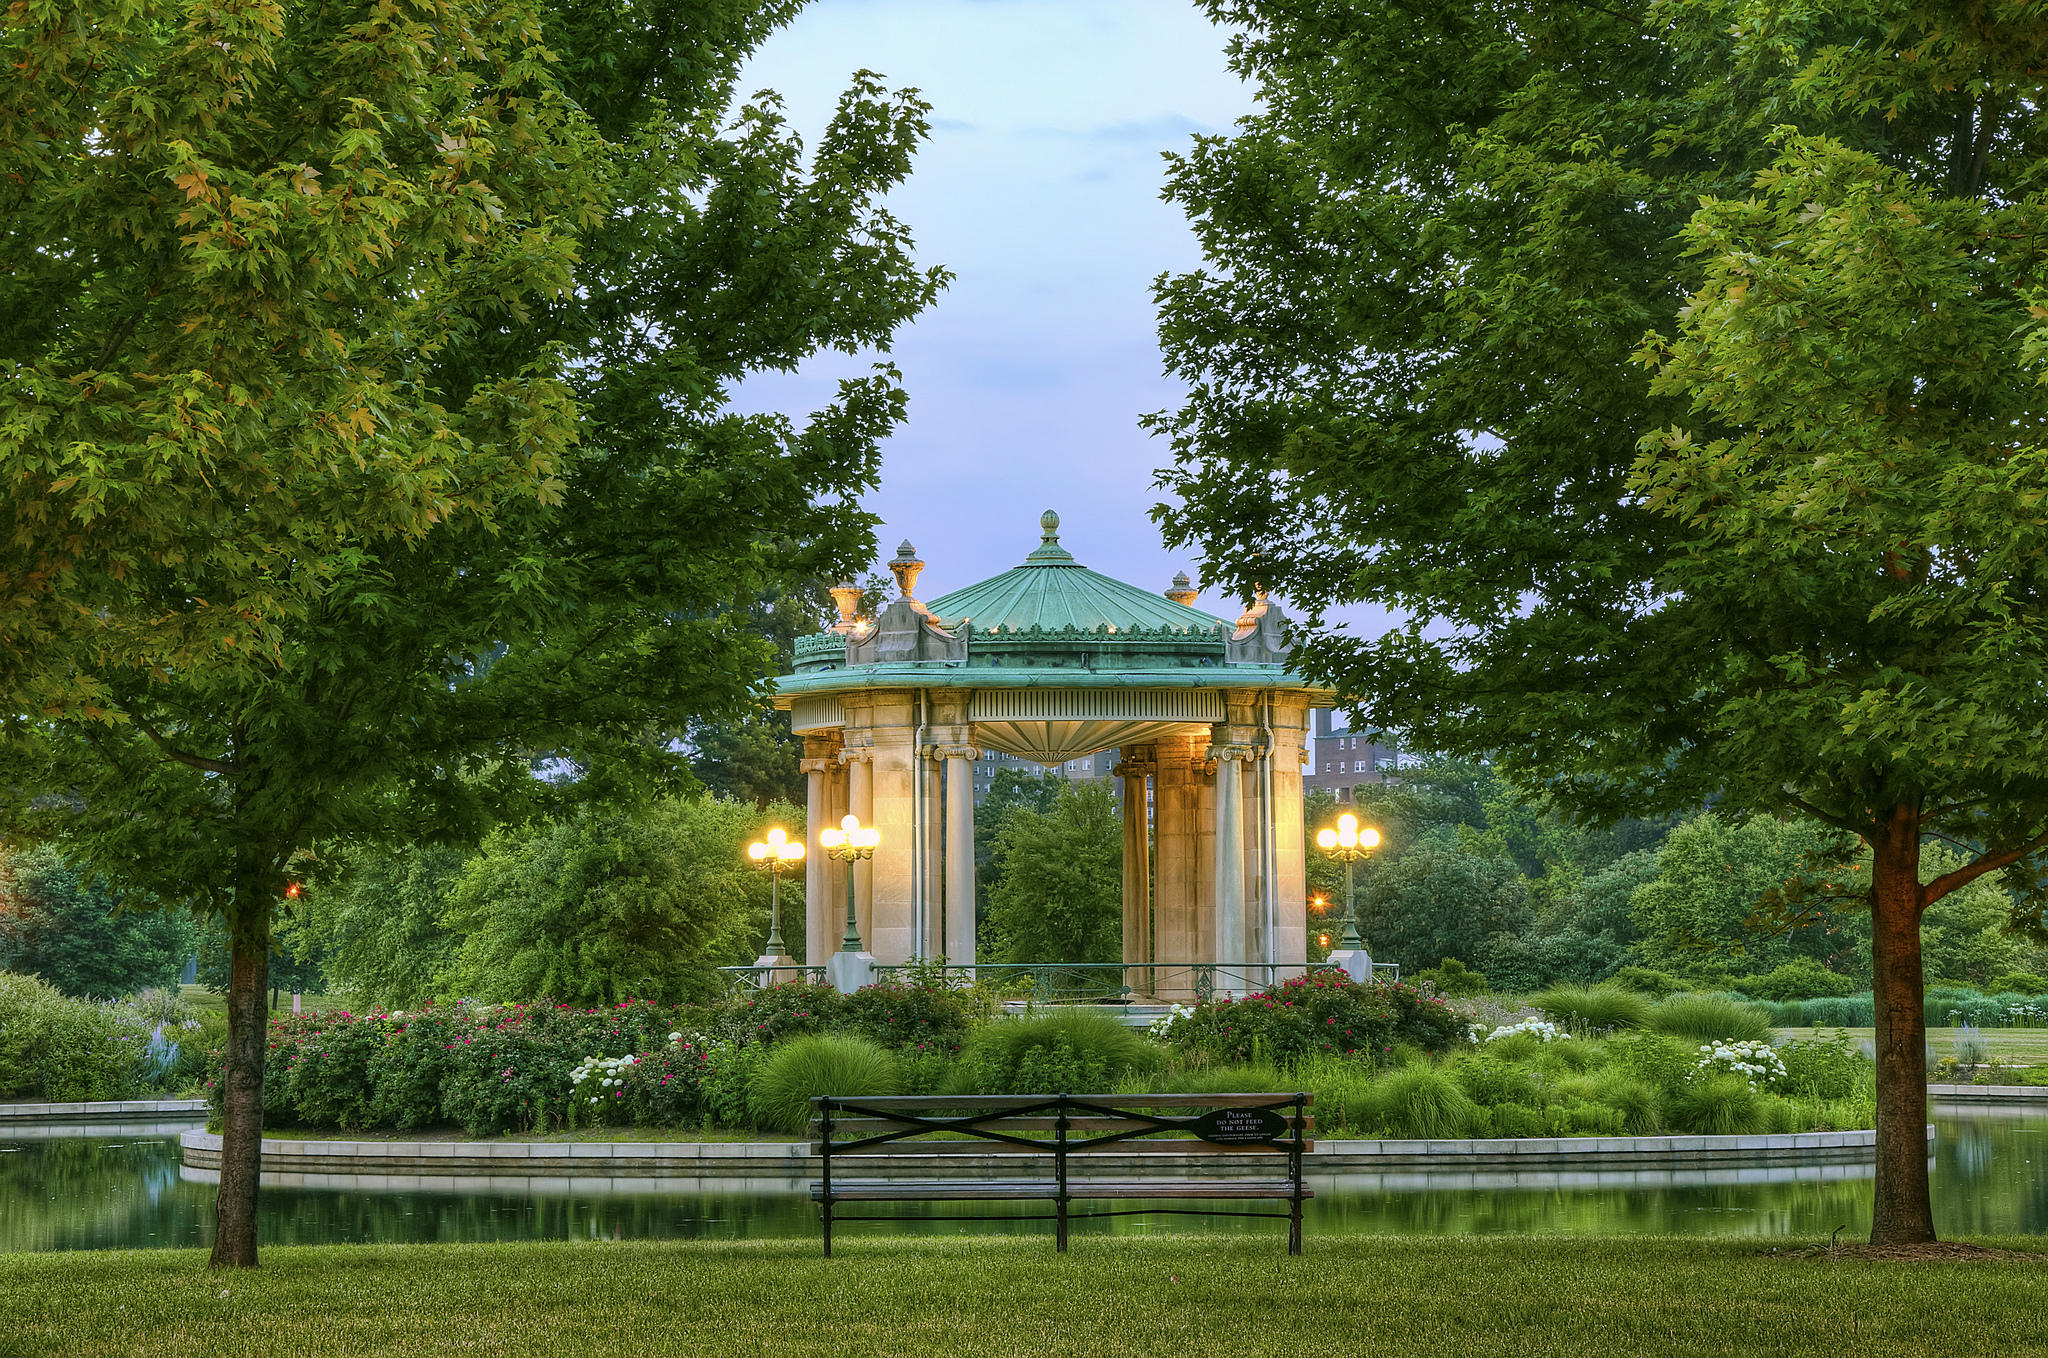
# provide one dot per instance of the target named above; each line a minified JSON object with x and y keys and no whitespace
{"x":1381,"y":1061}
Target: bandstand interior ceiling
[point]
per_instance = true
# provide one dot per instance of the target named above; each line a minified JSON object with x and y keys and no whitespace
{"x":1055,"y":742}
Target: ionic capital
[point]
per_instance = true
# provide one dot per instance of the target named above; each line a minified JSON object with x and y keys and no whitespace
{"x":857,"y":754}
{"x":967,"y":752}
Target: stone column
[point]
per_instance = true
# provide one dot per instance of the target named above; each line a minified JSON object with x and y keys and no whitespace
{"x":860,"y":802}
{"x":960,"y":853}
{"x":1290,"y":873}
{"x":1179,"y":917}
{"x":890,"y":930}
{"x":823,"y":886}
{"x":1228,"y":948}
{"x":1137,"y":766}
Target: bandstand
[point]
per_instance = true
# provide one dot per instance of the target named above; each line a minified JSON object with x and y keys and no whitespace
{"x":1050,"y":661}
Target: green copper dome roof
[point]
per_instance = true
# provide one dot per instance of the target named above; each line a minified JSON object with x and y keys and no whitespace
{"x":1052,"y":591}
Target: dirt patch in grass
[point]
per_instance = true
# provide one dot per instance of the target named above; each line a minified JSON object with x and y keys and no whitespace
{"x":1942,"y":1250}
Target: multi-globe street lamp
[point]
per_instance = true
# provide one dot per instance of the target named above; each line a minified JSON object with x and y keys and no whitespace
{"x":849,"y":842}
{"x":1348,"y":842}
{"x":774,"y":853}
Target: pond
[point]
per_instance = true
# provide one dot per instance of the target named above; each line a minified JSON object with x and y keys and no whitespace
{"x":98,"y":1188}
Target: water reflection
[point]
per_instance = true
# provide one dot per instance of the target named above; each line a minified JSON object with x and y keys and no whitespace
{"x":103,"y":1187}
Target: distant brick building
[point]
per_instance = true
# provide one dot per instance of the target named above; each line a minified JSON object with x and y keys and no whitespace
{"x":1345,"y":758}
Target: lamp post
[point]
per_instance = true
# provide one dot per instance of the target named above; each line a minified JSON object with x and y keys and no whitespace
{"x":773,"y":853}
{"x":1348,"y":842}
{"x":850,"y":842}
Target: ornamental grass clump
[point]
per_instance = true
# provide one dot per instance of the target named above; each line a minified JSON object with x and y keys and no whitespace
{"x":1716,"y":1105}
{"x":1422,"y":1102}
{"x":1065,"y":1051}
{"x":804,"y":1068}
{"x":1712,"y":1018}
{"x":1593,"y":1009}
{"x":1634,"y":1098}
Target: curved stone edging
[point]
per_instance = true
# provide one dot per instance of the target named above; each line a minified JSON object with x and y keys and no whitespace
{"x":1988,"y":1093}
{"x":707,"y":1163}
{"x":122,"y":1110}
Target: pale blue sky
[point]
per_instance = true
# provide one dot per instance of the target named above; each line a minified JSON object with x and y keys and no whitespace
{"x":1040,"y":190}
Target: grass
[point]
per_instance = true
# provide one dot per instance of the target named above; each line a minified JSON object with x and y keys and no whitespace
{"x":2025,"y":1046}
{"x":960,"y":1297}
{"x":199,"y":997}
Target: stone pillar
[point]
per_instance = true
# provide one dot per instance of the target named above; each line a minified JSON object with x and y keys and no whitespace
{"x":1179,"y":916}
{"x":960,"y":853}
{"x":890,"y":930}
{"x":860,"y":802}
{"x":824,"y":888}
{"x":1137,"y":766}
{"x":1228,"y":948}
{"x":1289,"y":945}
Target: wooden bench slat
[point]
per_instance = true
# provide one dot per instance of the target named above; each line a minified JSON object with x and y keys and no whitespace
{"x":982,"y":1103}
{"x":847,"y":1129}
{"x":972,"y":1148}
{"x":884,"y":1190}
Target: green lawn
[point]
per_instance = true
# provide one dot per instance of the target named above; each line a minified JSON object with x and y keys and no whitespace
{"x":2024,"y":1046}
{"x":958,"y":1297}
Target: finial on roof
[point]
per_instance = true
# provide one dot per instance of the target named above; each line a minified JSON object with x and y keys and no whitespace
{"x":846,"y":595}
{"x":905,"y":567}
{"x":1250,"y":617}
{"x":1183,"y":592}
{"x":1049,"y":552}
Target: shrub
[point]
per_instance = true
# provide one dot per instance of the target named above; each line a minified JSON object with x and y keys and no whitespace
{"x":1067,"y":1051}
{"x":1231,"y":1080}
{"x":1633,"y":1098}
{"x":2021,"y":982}
{"x":1802,"y":978}
{"x":86,"y":1054}
{"x":1421,"y":1101}
{"x":1593,"y":1009}
{"x":1582,"y":1119}
{"x":507,"y":1078}
{"x":1322,"y":1013}
{"x":324,"y":1070}
{"x":407,"y":1071}
{"x":1342,"y":1090}
{"x":777,"y":1013}
{"x":1452,"y":977}
{"x":728,"y":1086}
{"x":1647,"y":981}
{"x":1826,"y":1068}
{"x":916,"y":1016}
{"x":1490,"y":1081}
{"x":1423,"y":1020}
{"x":1516,"y":1119}
{"x":1955,"y":1007}
{"x":806,"y":1067}
{"x":65,"y":1050}
{"x":665,"y":1088}
{"x":1715,"y":1105}
{"x":1855,"y":1011}
{"x":1660,"y":1062}
{"x":1708,"y":1018}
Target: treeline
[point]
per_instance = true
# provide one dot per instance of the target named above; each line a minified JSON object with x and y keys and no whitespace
{"x":1476,"y":872}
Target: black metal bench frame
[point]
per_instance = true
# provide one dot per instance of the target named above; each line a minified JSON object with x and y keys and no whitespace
{"x":1088,"y":1127}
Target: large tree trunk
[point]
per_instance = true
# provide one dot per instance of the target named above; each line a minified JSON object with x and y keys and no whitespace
{"x":241,"y":1140}
{"x":1904,"y":1211}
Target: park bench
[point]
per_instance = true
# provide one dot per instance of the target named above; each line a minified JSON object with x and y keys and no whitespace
{"x":1062,"y":1149}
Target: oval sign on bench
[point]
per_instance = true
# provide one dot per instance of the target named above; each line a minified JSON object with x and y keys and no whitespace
{"x":1240,"y":1126}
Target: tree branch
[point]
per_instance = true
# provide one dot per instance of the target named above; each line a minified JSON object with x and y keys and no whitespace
{"x":1970,"y":872}
{"x":185,"y":757}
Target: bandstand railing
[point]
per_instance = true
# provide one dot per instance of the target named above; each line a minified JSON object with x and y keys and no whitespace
{"x":1075,"y":982}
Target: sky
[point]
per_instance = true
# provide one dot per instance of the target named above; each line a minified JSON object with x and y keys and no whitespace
{"x":1039,"y":189}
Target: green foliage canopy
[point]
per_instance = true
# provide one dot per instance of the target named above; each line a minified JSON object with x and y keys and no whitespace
{"x":69,"y":927}
{"x":1059,"y":896}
